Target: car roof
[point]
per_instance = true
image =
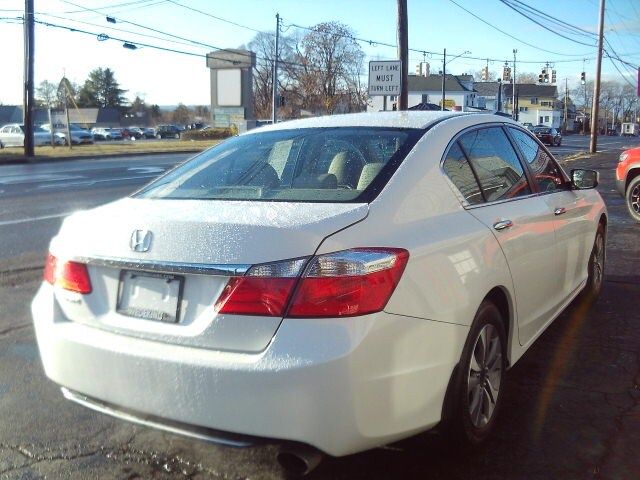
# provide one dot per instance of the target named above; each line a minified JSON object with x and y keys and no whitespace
{"x":406,"y":119}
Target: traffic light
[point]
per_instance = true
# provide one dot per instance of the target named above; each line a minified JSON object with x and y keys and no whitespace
{"x":583,"y":78}
{"x":545,"y":76}
{"x":553,"y":76}
{"x":506,"y":74}
{"x":485,"y":74}
{"x":540,"y":78}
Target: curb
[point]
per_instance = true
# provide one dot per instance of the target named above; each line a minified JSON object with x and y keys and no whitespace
{"x":36,"y":160}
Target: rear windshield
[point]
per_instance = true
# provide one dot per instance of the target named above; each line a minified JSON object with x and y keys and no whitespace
{"x":347,"y":164}
{"x":542,"y":130}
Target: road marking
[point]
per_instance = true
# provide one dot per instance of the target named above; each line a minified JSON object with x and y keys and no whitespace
{"x":34,"y":219}
{"x":92,"y":182}
{"x":146,"y":169}
{"x":18,"y":179}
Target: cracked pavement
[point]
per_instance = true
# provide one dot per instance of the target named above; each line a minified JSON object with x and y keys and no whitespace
{"x":571,"y":407}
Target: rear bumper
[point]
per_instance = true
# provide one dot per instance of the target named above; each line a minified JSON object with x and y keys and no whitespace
{"x":340,"y":385}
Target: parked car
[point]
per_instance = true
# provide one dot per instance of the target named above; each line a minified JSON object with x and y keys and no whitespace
{"x":114,"y":133}
{"x":628,"y":180}
{"x":133,"y":133}
{"x":339,"y":282}
{"x":149,"y":132}
{"x":12,"y":135}
{"x":549,"y":136}
{"x":167,"y":131}
{"x":100,"y":134}
{"x":79,"y":135}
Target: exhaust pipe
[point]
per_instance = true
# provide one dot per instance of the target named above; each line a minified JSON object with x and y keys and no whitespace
{"x":298,"y":460}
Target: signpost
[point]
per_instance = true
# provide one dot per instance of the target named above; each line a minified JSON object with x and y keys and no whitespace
{"x":385,"y":78}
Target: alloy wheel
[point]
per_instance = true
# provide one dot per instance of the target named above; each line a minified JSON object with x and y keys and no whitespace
{"x":485,"y":376}
{"x":597,"y":264}
{"x":634,"y":199}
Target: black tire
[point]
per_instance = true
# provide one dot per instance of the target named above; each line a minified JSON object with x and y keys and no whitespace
{"x":470,"y":424}
{"x":632,"y":198}
{"x":158,"y":136}
{"x":595,"y":278}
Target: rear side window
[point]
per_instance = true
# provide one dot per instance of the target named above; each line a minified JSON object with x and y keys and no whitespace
{"x":546,"y":173}
{"x":495,"y":163}
{"x":459,"y":172}
{"x":305,"y":165}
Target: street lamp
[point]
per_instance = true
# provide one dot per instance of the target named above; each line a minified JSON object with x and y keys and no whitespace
{"x":444,"y":70}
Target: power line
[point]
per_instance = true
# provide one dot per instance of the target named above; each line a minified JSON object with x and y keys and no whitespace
{"x":155,"y":37}
{"x":616,"y":67}
{"x":376,"y":43}
{"x":511,"y":36}
{"x":555,"y":20}
{"x":217,"y":18}
{"x":104,"y":37}
{"x":516,"y":9}
{"x":194,"y":42}
{"x":117,"y":5}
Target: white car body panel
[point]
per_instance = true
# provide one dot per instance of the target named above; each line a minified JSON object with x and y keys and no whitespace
{"x":317,"y":381}
{"x":340,"y":384}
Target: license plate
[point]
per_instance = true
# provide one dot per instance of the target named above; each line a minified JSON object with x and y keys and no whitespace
{"x":150,"y":296}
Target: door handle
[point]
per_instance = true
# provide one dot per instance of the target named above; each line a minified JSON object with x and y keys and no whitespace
{"x":503,"y":224}
{"x":559,"y":211}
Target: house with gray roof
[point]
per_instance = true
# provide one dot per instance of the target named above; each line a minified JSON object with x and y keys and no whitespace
{"x":459,"y":93}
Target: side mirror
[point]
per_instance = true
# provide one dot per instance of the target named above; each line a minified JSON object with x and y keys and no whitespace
{"x":582,"y":179}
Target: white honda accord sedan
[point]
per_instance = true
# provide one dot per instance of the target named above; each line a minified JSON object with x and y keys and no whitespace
{"x":334,"y":283}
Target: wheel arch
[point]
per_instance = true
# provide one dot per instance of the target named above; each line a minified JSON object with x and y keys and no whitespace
{"x":501,"y":298}
{"x":631,"y":174}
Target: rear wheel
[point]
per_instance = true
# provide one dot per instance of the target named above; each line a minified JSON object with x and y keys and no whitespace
{"x":158,"y":136}
{"x":632,"y":197}
{"x":595,"y":277}
{"x":480,"y":377}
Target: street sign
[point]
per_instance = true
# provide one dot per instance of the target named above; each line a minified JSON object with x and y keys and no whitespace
{"x":384,"y":77}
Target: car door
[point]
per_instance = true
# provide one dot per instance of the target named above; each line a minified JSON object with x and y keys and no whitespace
{"x":519,"y":219}
{"x":571,"y":220}
{"x":16,"y":135}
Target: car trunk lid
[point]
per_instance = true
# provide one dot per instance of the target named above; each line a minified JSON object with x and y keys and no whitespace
{"x":168,"y":292}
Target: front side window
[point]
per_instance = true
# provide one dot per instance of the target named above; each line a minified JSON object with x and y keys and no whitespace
{"x":495,"y":163}
{"x":546,"y":173}
{"x":298,"y":165}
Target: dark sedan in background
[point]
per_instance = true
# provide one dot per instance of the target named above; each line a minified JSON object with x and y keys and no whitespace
{"x":548,"y":136}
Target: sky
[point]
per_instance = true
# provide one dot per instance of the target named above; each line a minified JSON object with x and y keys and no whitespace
{"x":167,"y":78}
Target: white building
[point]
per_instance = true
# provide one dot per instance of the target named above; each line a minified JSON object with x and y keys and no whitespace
{"x":459,"y":93}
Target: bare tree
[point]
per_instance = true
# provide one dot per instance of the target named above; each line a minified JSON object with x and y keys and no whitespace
{"x":331,"y":62}
{"x":46,"y":94}
{"x":527,"y":77}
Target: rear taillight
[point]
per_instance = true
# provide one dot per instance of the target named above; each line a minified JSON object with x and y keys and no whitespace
{"x":264,"y":290}
{"x":72,"y":276}
{"x":347,"y":283}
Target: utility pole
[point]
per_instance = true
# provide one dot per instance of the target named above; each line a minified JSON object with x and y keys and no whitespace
{"x":596,"y":86}
{"x":514,"y":110}
{"x":27,"y":104}
{"x":403,"y":54}
{"x":584,"y":85}
{"x":444,"y":74}
{"x":274,"y":99}
{"x":566,"y":100}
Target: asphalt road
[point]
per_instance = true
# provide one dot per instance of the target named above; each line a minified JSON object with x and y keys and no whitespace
{"x":571,"y":406}
{"x":35,"y":198}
